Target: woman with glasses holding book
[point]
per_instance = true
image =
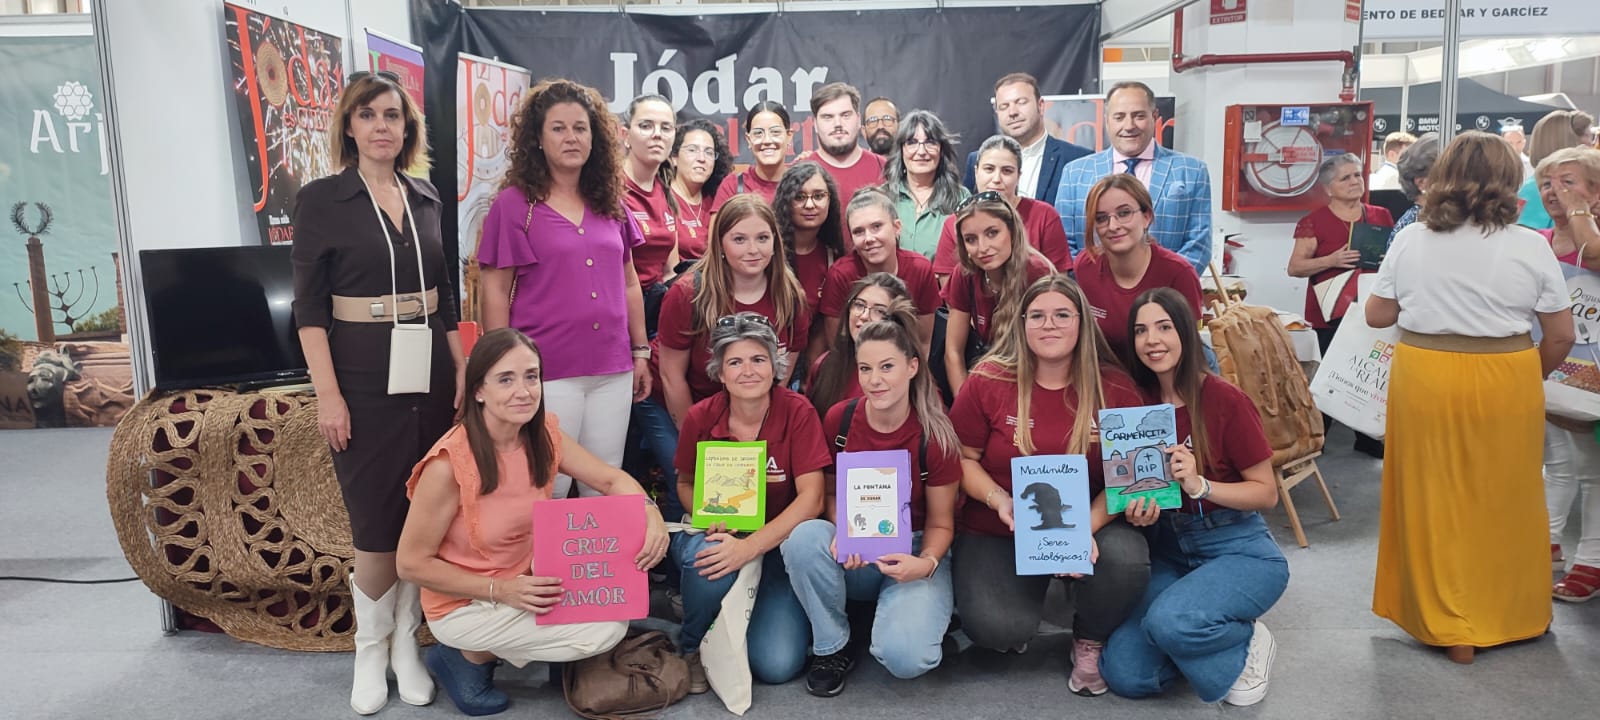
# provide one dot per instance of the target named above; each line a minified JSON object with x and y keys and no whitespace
{"x":766,"y":132}
{"x":753,"y":405}
{"x":1040,"y":393}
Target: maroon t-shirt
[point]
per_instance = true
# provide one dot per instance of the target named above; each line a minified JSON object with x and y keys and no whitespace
{"x":793,"y":434}
{"x":1110,"y":303}
{"x":692,"y":227}
{"x":985,"y":416}
{"x":656,"y":223}
{"x":752,"y":184}
{"x":910,"y":266}
{"x":676,"y":329}
{"x":867,"y":170}
{"x":1039,"y":220}
{"x":1233,"y":425}
{"x":811,"y":269}
{"x":1333,"y":235}
{"x":944,"y":464}
{"x":965,"y":292}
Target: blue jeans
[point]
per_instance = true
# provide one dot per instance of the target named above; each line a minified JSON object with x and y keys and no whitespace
{"x":911,"y":619}
{"x":778,"y":633}
{"x":1211,"y":576}
{"x":661,"y":436}
{"x":1211,"y":358}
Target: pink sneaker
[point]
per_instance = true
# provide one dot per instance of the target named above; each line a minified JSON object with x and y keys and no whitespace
{"x":1085,"y":679}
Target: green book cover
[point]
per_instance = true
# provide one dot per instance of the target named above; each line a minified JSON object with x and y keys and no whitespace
{"x":1372,"y":241}
{"x":730,"y":485}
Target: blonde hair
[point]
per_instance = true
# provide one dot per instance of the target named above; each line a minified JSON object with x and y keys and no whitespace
{"x":713,"y":296}
{"x":360,"y":93}
{"x":1013,"y":361}
{"x":899,"y":330}
{"x":1558,"y":130}
{"x":1587,"y":160}
{"x":1014,"y":273}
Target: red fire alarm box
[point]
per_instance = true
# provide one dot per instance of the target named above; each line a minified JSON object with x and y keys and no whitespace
{"x":1272,"y":152}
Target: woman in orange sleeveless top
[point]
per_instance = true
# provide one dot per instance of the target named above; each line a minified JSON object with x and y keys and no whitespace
{"x":467,"y":542}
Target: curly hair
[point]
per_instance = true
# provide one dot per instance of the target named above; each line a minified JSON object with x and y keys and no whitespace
{"x":831,"y":234}
{"x":721,"y":167}
{"x":1474,"y":181}
{"x":600,"y":183}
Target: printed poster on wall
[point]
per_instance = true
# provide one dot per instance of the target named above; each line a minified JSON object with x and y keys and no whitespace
{"x":63,"y":362}
{"x":1081,"y":120}
{"x":385,"y":54}
{"x":285,"y":80}
{"x":487,"y":95}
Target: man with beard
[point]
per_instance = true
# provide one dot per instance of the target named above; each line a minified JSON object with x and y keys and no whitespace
{"x":1179,"y":184}
{"x":836,"y":112}
{"x":878,"y":127}
{"x":1019,"y":111}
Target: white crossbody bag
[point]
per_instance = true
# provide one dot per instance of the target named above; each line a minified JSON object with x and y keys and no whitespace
{"x":410,"y":346}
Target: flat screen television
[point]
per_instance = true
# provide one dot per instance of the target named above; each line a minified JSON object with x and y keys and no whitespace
{"x":221,"y":316}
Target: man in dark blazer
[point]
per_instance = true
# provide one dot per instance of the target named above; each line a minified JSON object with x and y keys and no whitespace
{"x":1020,"y":113}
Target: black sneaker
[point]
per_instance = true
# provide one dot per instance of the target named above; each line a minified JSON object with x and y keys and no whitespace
{"x":827,"y":673}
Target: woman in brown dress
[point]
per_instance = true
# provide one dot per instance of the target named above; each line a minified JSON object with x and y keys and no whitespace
{"x":369,"y":270}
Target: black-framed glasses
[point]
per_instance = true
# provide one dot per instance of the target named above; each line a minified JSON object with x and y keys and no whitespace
{"x":985,"y":196}
{"x":728,"y":321}
{"x":928,"y":144}
{"x":389,"y":75}
{"x":881,"y":120}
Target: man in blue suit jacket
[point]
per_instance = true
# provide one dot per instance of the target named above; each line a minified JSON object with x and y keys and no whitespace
{"x":1020,"y":113}
{"x":1179,"y":184}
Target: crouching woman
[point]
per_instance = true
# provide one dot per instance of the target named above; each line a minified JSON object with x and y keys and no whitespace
{"x":467,"y":539}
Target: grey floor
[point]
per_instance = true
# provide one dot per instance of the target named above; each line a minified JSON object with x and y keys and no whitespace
{"x":97,"y":651}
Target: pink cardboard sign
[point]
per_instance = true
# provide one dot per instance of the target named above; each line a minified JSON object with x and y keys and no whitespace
{"x":590,"y":544}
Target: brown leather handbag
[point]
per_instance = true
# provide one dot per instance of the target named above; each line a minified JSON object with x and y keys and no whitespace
{"x":638,"y":678}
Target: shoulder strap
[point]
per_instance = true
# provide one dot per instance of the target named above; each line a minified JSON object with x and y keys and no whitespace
{"x":844,"y":435}
{"x":738,"y":182}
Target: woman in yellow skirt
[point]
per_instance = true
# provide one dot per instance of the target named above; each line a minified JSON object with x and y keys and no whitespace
{"x":1463,"y":527}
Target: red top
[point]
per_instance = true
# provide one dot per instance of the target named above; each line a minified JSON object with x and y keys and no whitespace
{"x":693,"y":227}
{"x":811,"y":269}
{"x":1110,"y":303}
{"x":677,"y":329}
{"x":1570,"y":258}
{"x":944,"y":465}
{"x":1333,"y":235}
{"x":752,"y":184}
{"x":985,"y":416}
{"x":1040,"y":221}
{"x":1233,"y":424}
{"x":793,"y":434}
{"x":850,"y":389}
{"x":867,"y":170}
{"x":965,"y":292}
{"x":656,"y":223}
{"x":910,"y":266}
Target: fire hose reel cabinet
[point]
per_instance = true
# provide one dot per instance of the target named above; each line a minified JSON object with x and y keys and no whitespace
{"x":1272,"y":152}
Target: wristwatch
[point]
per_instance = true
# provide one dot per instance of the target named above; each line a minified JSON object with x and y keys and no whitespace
{"x":1205,"y":490}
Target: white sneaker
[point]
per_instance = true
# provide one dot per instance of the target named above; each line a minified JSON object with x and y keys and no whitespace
{"x":1251,"y":686}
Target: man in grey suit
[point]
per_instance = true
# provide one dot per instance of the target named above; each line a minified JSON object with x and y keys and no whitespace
{"x":1020,"y":113}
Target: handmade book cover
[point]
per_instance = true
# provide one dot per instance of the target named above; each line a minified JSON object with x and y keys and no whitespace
{"x":590,"y":544}
{"x":730,"y":485}
{"x":873,"y":503}
{"x":1050,"y":509}
{"x":1133,"y":443}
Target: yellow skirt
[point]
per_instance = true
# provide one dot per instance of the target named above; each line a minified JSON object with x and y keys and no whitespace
{"x":1463,"y":527}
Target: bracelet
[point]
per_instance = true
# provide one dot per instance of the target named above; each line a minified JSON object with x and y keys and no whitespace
{"x":989,"y":496}
{"x":641,"y":354}
{"x":1580,"y":212}
{"x":637,"y":348}
{"x":935,"y":567}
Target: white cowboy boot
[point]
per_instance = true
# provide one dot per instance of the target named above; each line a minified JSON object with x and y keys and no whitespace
{"x":374,"y":625}
{"x":416,"y":686}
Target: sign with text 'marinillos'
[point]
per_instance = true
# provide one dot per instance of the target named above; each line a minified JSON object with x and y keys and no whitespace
{"x":590,"y":544}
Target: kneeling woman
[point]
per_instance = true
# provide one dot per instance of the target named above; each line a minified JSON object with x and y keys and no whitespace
{"x":1214,"y":567}
{"x":753,"y":405}
{"x":901,"y":411}
{"x":466,"y":540}
{"x":1053,"y":377}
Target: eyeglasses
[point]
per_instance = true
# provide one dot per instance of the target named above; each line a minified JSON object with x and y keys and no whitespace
{"x":699,"y":151}
{"x":760,"y":134}
{"x":389,"y":75}
{"x":860,"y":307}
{"x":985,"y":196}
{"x":1059,"y":318}
{"x":819,"y":197}
{"x":1123,"y":215}
{"x":929,"y":144}
{"x":882,"y":120}
{"x":728,"y":321}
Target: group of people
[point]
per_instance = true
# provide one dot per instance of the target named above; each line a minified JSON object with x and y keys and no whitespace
{"x":628,"y":271}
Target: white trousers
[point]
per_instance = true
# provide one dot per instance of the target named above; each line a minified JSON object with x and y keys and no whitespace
{"x":1572,"y":468}
{"x":594,"y":410}
{"x":515,"y":637}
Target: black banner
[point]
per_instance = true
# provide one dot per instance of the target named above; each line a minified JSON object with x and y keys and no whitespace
{"x":716,"y":65}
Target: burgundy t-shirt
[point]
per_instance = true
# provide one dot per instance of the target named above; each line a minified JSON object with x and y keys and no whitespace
{"x":985,"y":416}
{"x":692,"y":227}
{"x":656,"y":222}
{"x":1233,"y":425}
{"x":910,"y":266}
{"x":1039,"y":220}
{"x":944,"y":464}
{"x":676,"y":329}
{"x":867,"y":170}
{"x":1332,"y":235}
{"x":964,"y":288}
{"x":811,"y":269}
{"x":752,"y":184}
{"x":793,"y":434}
{"x":1110,"y":303}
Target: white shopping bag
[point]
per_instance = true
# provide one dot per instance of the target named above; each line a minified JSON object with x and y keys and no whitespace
{"x":1352,"y":384}
{"x":724,"y":652}
{"x":1573,"y":390}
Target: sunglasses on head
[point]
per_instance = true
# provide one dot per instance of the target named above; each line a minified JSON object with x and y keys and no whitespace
{"x":389,"y":75}
{"x":728,"y":321}
{"x":985,"y":196}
